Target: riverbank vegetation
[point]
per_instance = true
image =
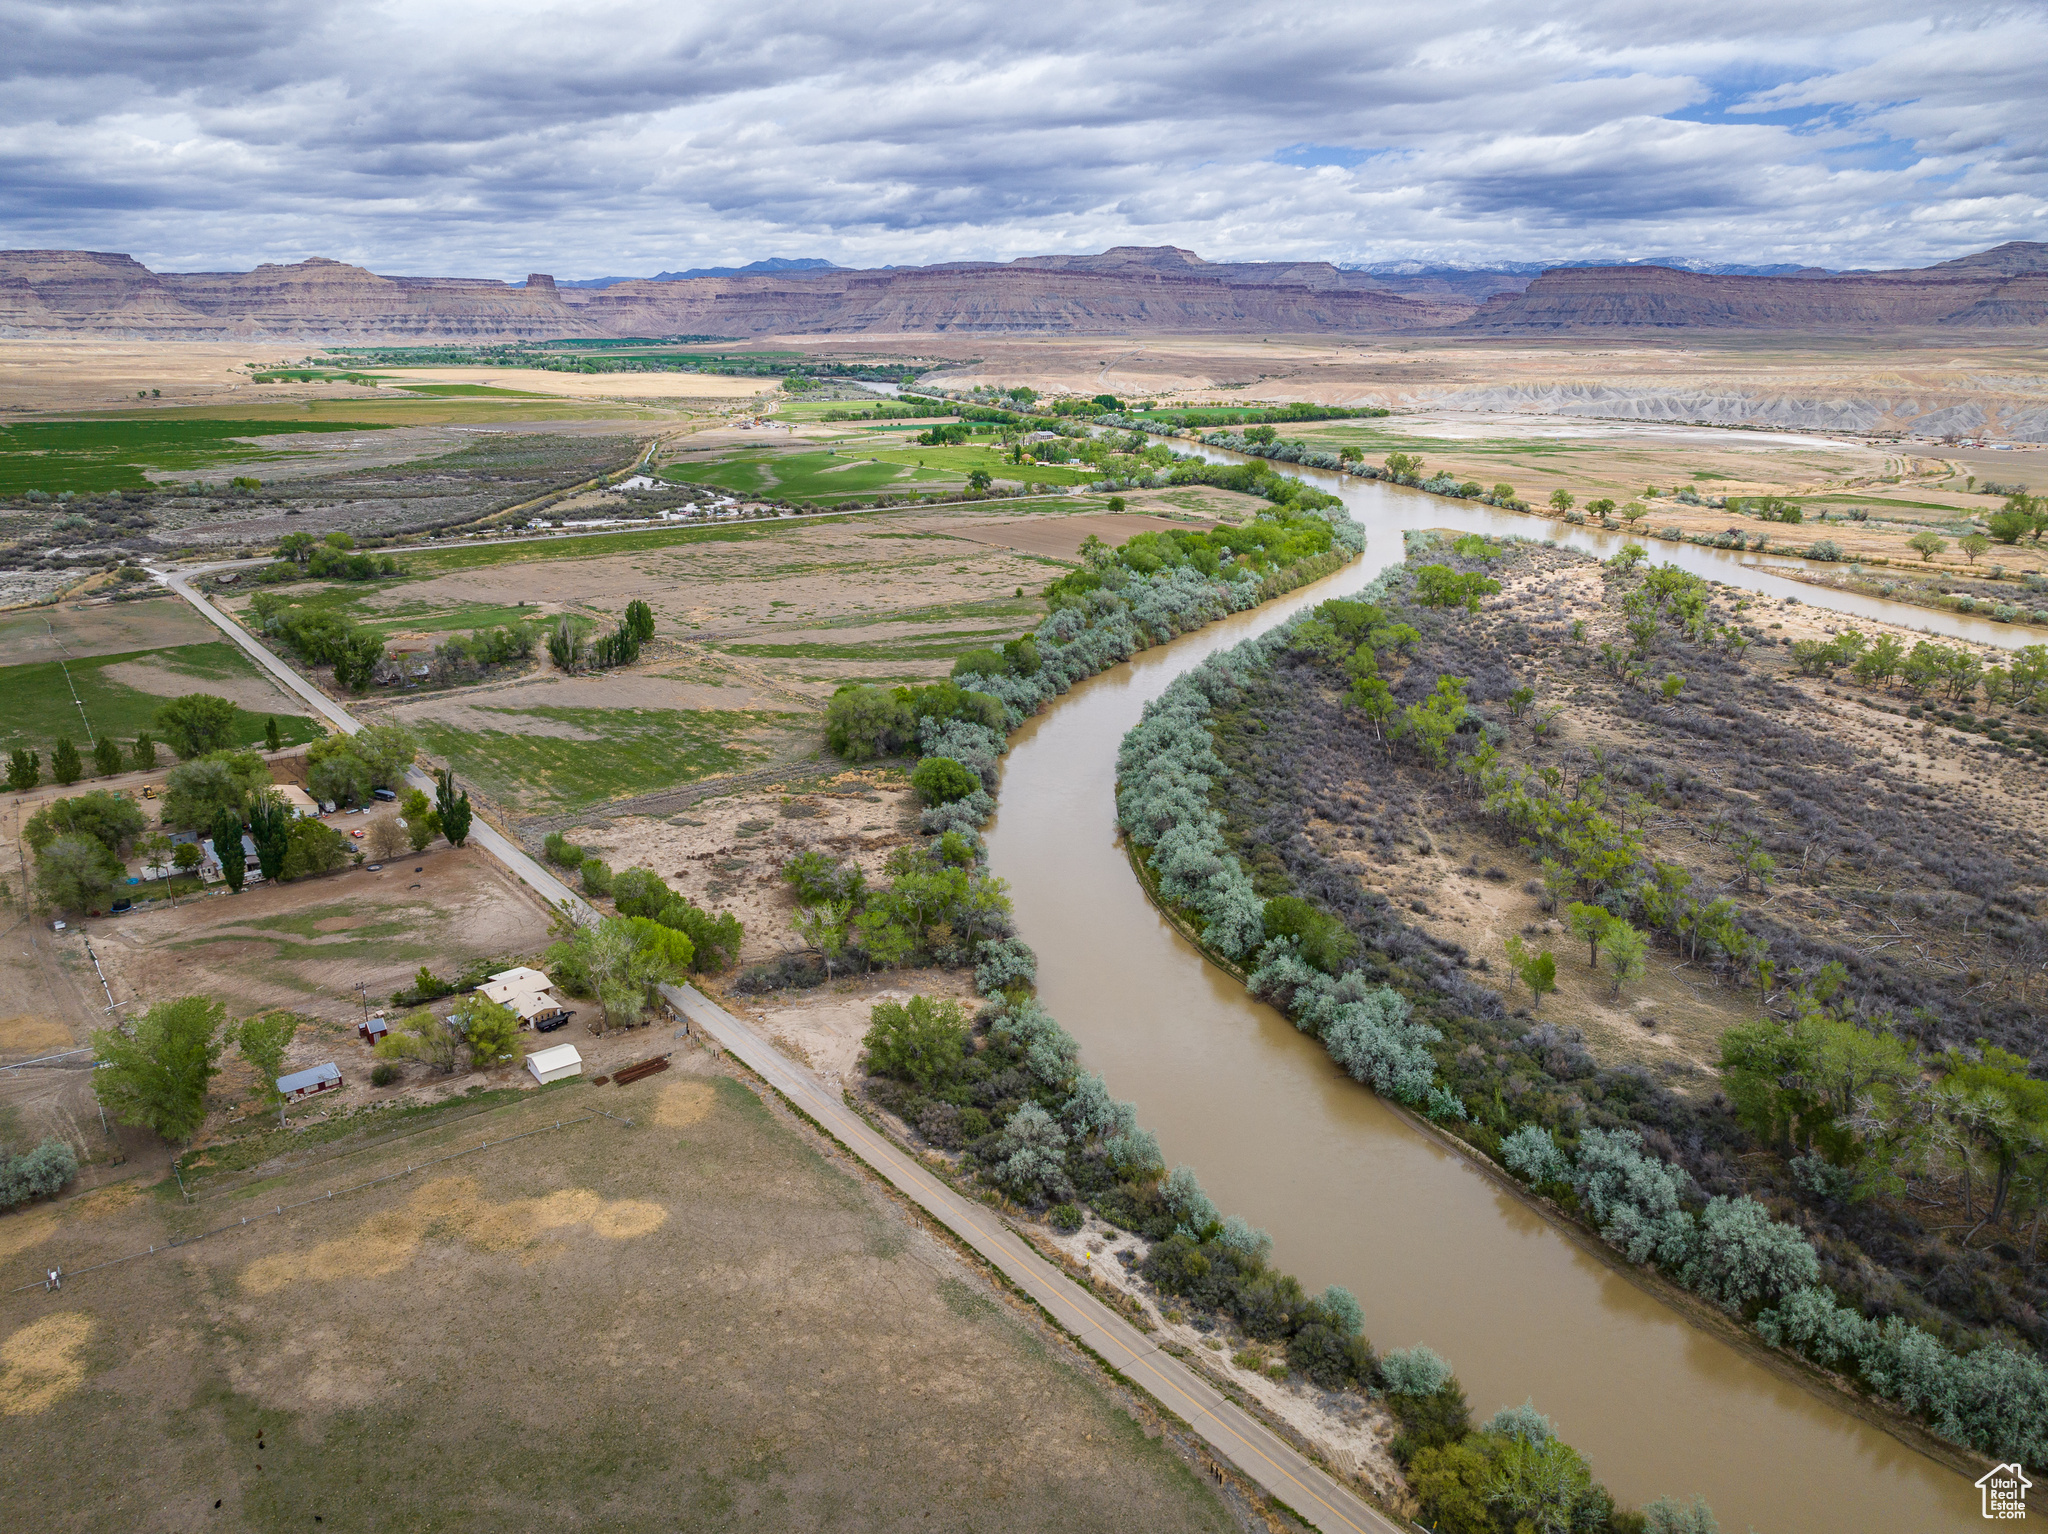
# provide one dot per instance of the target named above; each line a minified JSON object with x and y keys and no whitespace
{"x":1001,"y":1088}
{"x":1866,"y":1182}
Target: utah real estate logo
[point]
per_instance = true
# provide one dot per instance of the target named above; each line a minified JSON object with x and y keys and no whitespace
{"x":2005,"y":1491}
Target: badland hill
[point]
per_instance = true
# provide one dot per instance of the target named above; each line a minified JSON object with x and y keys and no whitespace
{"x":1161,"y":290}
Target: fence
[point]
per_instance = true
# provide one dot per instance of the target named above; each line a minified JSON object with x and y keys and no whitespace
{"x":322,"y":1198}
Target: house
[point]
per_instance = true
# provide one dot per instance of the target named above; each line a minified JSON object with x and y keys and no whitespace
{"x":209,"y":862}
{"x":524,"y":990}
{"x":371,"y":1029}
{"x":555,"y":1064}
{"x":2004,"y":1488}
{"x":300,"y":1085}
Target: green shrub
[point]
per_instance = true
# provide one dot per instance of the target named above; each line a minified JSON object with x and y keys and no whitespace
{"x":1066,"y":1217}
{"x":40,"y":1173}
{"x":862,"y":723}
{"x":715,"y":939}
{"x":561,"y":852}
{"x":383,"y":1073}
{"x":1324,"y":941}
{"x":640,"y":892}
{"x":941,"y":780}
{"x":597,"y":876}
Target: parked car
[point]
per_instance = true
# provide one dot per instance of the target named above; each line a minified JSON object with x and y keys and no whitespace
{"x":548,"y":1022}
{"x":357,"y":832}
{"x":388,"y":795}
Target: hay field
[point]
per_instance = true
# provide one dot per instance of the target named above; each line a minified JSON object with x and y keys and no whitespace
{"x":695,"y":1322}
{"x":591,"y":386}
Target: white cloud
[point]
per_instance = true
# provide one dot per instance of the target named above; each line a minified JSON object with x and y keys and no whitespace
{"x":623,"y":138}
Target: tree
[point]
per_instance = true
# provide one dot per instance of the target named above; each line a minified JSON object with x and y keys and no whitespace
{"x":422,"y":825}
{"x":941,"y":780}
{"x":74,"y":873}
{"x":1540,"y":976}
{"x":198,"y":723}
{"x":387,"y":839}
{"x":978,"y":479}
{"x":155,"y":851}
{"x":2011,"y":524}
{"x":143,"y":753}
{"x":491,"y":1029}
{"x":1973,"y":544}
{"x":1561,"y":500}
{"x":639,"y":621}
{"x":273,"y":737}
{"x":186,"y":856}
{"x":355,"y":667}
{"x":422,"y":1036}
{"x":1625,"y":950}
{"x":1994,"y":1105}
{"x":24,"y":770}
{"x":198,"y":793}
{"x":106,"y":756}
{"x":717,"y":938}
{"x":823,"y":927}
{"x":862,"y":723}
{"x":297,"y":547}
{"x":386,"y":751}
{"x":65,"y":766}
{"x":227,"y":849}
{"x":337,"y":772}
{"x":262,"y":1041}
{"x":155,"y":1074}
{"x":1321,"y":938}
{"x":920,"y":1041}
{"x":1633,"y":512}
{"x":1590,"y":924}
{"x":453,"y":809}
{"x":108,"y":819}
{"x":270,"y":823}
{"x":1433,"y":724}
{"x":312,"y":847}
{"x":1927,"y":545}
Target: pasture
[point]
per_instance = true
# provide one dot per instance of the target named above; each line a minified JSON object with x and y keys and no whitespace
{"x":695,"y":1320}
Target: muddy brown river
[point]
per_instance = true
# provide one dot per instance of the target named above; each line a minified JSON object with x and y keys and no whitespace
{"x":1354,"y":1194}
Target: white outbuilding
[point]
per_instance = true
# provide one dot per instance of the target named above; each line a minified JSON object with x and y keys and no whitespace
{"x":555,"y":1064}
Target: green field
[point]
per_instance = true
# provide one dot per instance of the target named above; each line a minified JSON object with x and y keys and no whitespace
{"x":111,"y":453}
{"x":353,"y":602}
{"x":964,"y":460}
{"x":816,"y":476}
{"x":627,"y":751}
{"x":40,"y":706}
{"x":435,"y":561}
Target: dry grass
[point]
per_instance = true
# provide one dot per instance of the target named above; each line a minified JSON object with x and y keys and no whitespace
{"x":699,"y":1322}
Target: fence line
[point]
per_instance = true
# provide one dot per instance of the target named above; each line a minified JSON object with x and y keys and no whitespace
{"x":321,"y":1198}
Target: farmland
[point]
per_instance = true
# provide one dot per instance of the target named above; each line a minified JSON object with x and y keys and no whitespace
{"x":786,"y":1346}
{"x":118,"y":695}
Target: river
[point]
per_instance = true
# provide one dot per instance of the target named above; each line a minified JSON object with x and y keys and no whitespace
{"x":1355,"y":1195}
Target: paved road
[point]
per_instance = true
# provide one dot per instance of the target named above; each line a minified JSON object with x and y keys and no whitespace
{"x":1236,"y":1435}
{"x":507,"y":851}
{"x":1255,"y":1449}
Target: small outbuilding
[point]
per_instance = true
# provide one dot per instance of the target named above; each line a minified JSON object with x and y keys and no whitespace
{"x":555,"y":1064}
{"x":371,"y":1029}
{"x":300,"y":1085}
{"x":303,"y":804}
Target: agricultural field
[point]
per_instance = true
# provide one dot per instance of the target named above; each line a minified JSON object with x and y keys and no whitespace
{"x":61,"y":679}
{"x":786,"y":1346}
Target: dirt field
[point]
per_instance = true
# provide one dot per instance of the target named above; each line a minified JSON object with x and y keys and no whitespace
{"x":306,"y":944}
{"x":100,"y":628}
{"x":694,"y":1322}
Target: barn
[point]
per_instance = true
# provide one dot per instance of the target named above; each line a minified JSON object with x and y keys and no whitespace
{"x":310,"y":1083}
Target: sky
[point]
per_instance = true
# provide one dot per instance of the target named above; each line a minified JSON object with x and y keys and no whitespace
{"x":620,"y":137}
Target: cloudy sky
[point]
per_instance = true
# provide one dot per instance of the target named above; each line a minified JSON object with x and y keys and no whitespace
{"x":627,"y":137}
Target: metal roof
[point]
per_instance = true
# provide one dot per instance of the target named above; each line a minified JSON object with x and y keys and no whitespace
{"x":299,"y":1080}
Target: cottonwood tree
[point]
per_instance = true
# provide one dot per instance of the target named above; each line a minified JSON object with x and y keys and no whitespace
{"x":421,"y":1035}
{"x":262,"y":1042}
{"x":155,"y":1073}
{"x":453,"y":809}
{"x":198,"y":723}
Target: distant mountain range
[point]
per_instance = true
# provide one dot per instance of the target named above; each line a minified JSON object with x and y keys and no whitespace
{"x":774,"y":265}
{"x":1125,"y":290}
{"x":1536,"y":268}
